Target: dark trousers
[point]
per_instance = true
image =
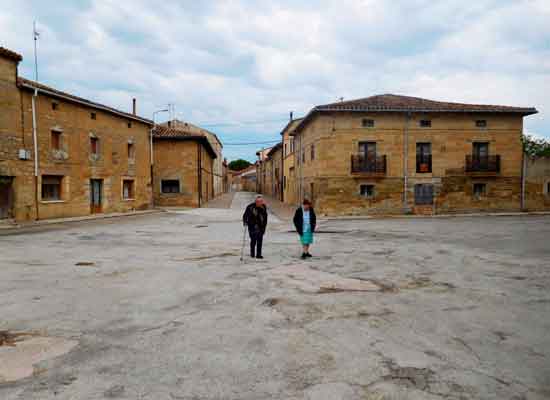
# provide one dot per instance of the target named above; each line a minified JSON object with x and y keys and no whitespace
{"x":256,"y":240}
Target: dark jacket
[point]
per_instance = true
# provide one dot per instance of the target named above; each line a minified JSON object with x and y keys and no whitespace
{"x":299,"y":220}
{"x":255,"y":218}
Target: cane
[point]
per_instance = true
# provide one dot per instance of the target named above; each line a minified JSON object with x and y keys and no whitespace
{"x":244,"y":241}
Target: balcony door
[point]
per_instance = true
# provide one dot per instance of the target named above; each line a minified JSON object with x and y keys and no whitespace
{"x":367,"y":153}
{"x":480,"y":155}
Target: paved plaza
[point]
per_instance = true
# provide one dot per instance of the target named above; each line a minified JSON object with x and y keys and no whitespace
{"x":160,"y":306}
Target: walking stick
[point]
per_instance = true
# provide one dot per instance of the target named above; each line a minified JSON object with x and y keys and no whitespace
{"x":244,"y":241}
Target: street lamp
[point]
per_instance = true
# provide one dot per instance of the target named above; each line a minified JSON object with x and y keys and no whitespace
{"x":151,"y":147}
{"x":151,"y":135}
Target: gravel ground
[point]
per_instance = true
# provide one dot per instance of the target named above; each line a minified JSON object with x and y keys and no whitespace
{"x":160,"y":307}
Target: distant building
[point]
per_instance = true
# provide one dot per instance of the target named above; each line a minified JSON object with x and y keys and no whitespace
{"x":215,"y":143}
{"x":183,"y":168}
{"x":537,"y":184}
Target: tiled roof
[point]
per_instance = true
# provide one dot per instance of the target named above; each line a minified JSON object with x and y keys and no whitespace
{"x":291,"y":125}
{"x":396,"y":103}
{"x":400,"y":104}
{"x":274,"y":149}
{"x":162,"y":132}
{"x":12,"y":55}
{"x":31,"y":85}
{"x":176,"y":123}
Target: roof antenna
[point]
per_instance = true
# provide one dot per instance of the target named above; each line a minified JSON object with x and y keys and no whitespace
{"x":36,"y":35}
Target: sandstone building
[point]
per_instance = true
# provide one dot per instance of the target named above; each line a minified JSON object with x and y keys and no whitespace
{"x":215,"y":143}
{"x":64,"y":156}
{"x":182,"y":168}
{"x":537,"y":184}
{"x":391,"y":154}
{"x":270,"y":171}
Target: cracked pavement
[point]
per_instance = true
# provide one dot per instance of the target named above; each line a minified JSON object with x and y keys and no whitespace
{"x":162,"y":308}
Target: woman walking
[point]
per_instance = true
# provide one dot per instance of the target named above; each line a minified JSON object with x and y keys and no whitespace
{"x":305,"y":221}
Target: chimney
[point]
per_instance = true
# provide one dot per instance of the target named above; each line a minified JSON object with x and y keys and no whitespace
{"x":134,"y":106}
{"x":291,"y":115}
{"x":169,"y":124}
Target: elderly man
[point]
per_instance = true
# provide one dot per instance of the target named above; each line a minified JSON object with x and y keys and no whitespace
{"x":255,"y":217}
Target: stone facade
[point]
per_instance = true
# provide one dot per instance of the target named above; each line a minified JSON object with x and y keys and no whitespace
{"x":537,"y":184}
{"x":270,"y":172}
{"x":289,"y":169}
{"x":218,"y":167}
{"x":78,"y":142}
{"x":183,"y":164}
{"x":417,"y":161}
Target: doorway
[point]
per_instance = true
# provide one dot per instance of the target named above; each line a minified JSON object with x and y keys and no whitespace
{"x":6,"y":197}
{"x":96,"y":195}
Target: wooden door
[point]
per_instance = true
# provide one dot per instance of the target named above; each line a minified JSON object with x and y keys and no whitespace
{"x":6,"y":197}
{"x":96,"y":195}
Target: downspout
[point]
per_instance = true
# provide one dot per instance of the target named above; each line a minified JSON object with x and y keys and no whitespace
{"x":151,"y":167}
{"x":523,"y":178}
{"x":35,"y":145}
{"x":406,"y":162}
{"x":199,"y":170}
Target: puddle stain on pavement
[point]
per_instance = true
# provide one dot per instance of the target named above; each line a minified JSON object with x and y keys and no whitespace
{"x":21,"y":351}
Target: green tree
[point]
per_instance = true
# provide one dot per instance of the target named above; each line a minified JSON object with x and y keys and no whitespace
{"x":536,"y":147}
{"x":238,"y":165}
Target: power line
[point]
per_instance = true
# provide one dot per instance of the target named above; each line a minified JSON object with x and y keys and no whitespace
{"x":250,"y":143}
{"x":221,"y":124}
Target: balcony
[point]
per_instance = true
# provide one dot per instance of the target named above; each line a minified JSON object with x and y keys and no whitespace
{"x":368,"y":165}
{"x":482,"y":164}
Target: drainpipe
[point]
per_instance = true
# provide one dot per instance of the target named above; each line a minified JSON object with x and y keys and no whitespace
{"x":406,"y":162}
{"x":35,"y":145}
{"x":523,"y":178}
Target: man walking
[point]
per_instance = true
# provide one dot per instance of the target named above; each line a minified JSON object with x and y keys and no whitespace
{"x":255,"y":217}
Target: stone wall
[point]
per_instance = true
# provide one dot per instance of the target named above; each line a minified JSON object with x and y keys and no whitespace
{"x":537,"y":184}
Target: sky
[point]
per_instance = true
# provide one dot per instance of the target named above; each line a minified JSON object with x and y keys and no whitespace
{"x":239,"y":67}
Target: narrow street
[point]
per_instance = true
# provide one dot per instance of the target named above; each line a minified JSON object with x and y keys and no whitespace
{"x":159,"y":306}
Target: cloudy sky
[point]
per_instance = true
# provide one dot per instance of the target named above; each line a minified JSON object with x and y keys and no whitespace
{"x":238,"y":67}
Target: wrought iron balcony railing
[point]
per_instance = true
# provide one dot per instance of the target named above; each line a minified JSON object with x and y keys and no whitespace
{"x":482,"y":163}
{"x":367,"y":164}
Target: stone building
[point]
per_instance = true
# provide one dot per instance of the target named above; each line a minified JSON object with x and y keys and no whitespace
{"x":182,"y":168}
{"x":270,"y":171}
{"x":392,"y":154}
{"x":65,"y":156}
{"x":537,"y":184}
{"x":289,"y":183}
{"x":215,"y":143}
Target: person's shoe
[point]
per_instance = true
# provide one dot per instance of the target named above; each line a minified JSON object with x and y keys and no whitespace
{"x":260,"y":257}
{"x":252,"y":256}
{"x":308,"y":255}
{"x":304,"y":256}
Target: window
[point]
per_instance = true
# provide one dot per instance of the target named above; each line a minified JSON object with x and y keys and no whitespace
{"x":423,"y":194}
{"x":94,"y":145}
{"x":93,"y":115}
{"x":423,"y":157}
{"x":170,"y":186}
{"x":286,"y":149}
{"x":367,"y":123}
{"x":312,"y":152}
{"x":480,"y":190}
{"x":480,"y":150}
{"x":367,"y":191}
{"x":303,"y":156}
{"x":129,"y":124}
{"x":284,"y":181}
{"x":368,"y":150}
{"x":425,"y":123}
{"x":481,"y":123}
{"x":548,"y":188}
{"x":55,"y":105}
{"x":51,"y":187}
{"x":56,"y":140}
{"x":127,"y":189}
{"x":131,"y":151}
{"x":291,"y":145}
